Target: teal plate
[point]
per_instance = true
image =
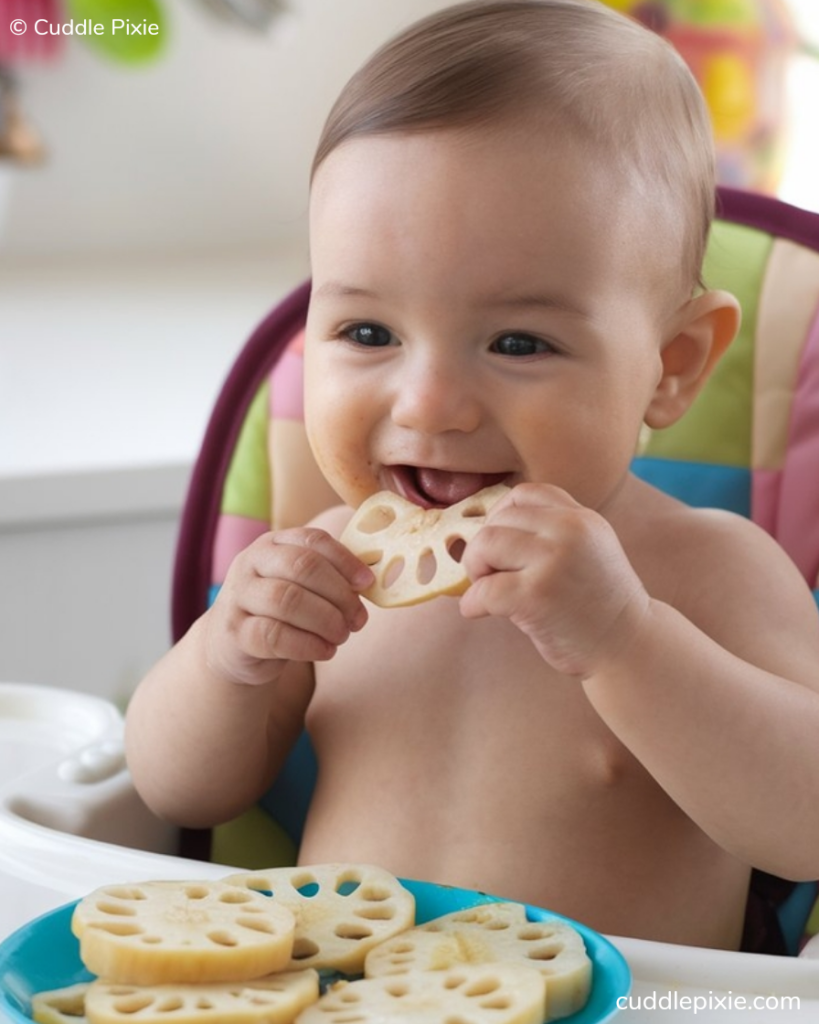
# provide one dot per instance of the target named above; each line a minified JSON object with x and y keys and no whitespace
{"x":44,"y":954}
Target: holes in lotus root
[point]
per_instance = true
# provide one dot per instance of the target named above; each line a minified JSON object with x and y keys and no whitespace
{"x":427,"y":567}
{"x":259,"y":998}
{"x":123,"y":892}
{"x":197,"y":892}
{"x":256,"y":924}
{"x":533,"y":931}
{"x":237,"y":896}
{"x":351,"y":930}
{"x":122,"y":929}
{"x":482,"y":987}
{"x":202,"y":1003}
{"x":303,"y":949}
{"x":374,"y":893}
{"x":68,"y":1004}
{"x":397,"y":990}
{"x":308,"y":890}
{"x":115,"y":909}
{"x":393,"y":572}
{"x":223,"y":938}
{"x":496,"y":1003}
{"x":402,"y":948}
{"x":169,"y":1005}
{"x":455,"y":547}
{"x":380,"y":912}
{"x":133,"y":1003}
{"x":348,"y":886}
{"x":545,"y":953}
{"x":473,"y":510}
{"x":379,"y":518}
{"x":371,"y":557}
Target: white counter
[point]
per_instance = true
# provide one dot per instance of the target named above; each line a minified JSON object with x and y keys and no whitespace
{"x":108,"y":372}
{"x":107,"y":365}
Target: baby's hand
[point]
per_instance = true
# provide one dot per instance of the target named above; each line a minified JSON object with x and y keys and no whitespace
{"x":291,"y":595}
{"x":557,"y":570}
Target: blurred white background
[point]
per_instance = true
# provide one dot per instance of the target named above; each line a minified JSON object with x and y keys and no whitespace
{"x":167,"y":218}
{"x":800,"y":181}
{"x":208,"y":147}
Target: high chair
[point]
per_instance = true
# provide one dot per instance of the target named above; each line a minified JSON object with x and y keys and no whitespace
{"x":750,"y":444}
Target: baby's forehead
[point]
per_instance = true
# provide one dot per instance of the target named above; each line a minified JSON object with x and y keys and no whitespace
{"x":497,"y":217}
{"x":534,"y":164}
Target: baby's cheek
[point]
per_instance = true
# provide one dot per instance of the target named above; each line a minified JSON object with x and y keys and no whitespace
{"x":348,"y":473}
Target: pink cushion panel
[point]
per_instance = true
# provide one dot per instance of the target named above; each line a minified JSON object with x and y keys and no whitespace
{"x":233,"y":534}
{"x":287,"y":383}
{"x":765,"y":485}
{"x":798,"y":519}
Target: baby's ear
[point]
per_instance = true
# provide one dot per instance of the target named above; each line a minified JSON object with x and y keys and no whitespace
{"x":703,"y":329}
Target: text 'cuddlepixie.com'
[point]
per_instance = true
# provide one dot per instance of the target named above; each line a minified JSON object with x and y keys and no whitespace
{"x":86,"y":27}
{"x":706,"y":1002}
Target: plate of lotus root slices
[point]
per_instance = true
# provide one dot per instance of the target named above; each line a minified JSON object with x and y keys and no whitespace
{"x":325,"y":944}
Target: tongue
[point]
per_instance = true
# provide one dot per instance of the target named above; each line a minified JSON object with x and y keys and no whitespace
{"x":446,"y":488}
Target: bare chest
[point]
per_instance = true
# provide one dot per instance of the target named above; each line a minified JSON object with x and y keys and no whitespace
{"x":468,"y":703}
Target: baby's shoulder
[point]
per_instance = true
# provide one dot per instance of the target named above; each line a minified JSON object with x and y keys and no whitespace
{"x":717,"y":566}
{"x":663,"y":531}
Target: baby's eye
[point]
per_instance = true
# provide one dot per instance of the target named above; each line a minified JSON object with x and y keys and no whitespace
{"x":520,"y":345}
{"x":370,"y":335}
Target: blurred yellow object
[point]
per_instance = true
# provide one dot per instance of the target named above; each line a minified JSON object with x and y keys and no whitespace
{"x":728,"y":86}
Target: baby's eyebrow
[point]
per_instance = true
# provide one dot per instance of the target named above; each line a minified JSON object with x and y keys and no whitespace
{"x":538,"y":301}
{"x":338,"y":290}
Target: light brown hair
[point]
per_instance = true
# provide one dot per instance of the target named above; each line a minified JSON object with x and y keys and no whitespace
{"x":619,"y":88}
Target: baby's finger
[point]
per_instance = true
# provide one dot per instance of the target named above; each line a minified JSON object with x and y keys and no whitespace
{"x":531,"y":497}
{"x":315,"y":562}
{"x":267,"y":639}
{"x":345,"y":562}
{"x":329,"y":609}
{"x":497,"y":548}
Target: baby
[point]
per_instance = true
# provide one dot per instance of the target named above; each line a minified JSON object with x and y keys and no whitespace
{"x":619,"y":718}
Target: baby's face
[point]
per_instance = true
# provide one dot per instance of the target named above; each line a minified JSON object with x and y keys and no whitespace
{"x":485,"y":307}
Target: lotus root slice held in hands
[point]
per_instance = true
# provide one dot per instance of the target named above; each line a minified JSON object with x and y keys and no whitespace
{"x":414,"y":552}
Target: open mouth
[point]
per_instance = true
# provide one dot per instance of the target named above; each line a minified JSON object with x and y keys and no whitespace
{"x":440,"y":488}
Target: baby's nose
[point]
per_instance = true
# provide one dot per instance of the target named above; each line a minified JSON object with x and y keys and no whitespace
{"x":436,"y":395}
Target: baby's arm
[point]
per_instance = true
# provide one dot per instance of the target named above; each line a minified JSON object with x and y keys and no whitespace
{"x":209,"y":727}
{"x":721,"y":705}
{"x":715,"y":695}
